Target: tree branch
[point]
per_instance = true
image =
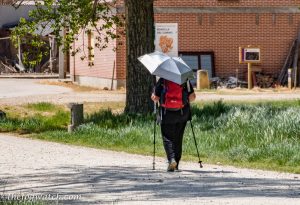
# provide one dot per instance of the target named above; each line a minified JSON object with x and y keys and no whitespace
{"x":94,"y":10}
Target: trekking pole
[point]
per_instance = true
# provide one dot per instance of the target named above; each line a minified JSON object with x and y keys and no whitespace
{"x":154,"y":136}
{"x":200,"y":162}
{"x":154,"y":131}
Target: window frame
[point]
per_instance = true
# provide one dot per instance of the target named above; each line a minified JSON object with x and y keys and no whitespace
{"x":199,"y":58}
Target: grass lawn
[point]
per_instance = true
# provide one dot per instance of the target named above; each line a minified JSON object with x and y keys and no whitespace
{"x":23,"y":202}
{"x":253,"y":135}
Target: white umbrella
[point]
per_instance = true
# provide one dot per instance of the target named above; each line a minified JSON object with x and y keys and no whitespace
{"x":170,"y":68}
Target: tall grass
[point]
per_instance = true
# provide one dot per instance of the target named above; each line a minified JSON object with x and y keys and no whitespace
{"x":35,"y":124}
{"x":42,"y":106}
{"x":254,"y":133}
{"x":251,"y":135}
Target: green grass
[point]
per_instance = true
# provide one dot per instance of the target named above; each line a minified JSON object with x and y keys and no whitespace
{"x":36,"y":123}
{"x":42,"y":106}
{"x":22,"y":202}
{"x":261,"y":135}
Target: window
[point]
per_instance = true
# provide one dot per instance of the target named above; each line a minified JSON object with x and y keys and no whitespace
{"x":199,"y":61}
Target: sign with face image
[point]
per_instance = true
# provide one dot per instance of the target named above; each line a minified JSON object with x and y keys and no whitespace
{"x":249,"y":55}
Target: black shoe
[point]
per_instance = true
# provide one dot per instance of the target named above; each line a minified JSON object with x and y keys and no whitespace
{"x":172,"y":165}
{"x":176,"y":168}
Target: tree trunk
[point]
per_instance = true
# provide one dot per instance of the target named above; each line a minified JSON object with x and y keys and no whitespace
{"x":139,"y":41}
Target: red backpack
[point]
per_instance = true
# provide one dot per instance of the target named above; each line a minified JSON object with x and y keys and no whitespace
{"x":173,"y":95}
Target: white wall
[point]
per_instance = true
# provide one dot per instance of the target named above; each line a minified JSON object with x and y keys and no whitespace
{"x":8,"y":14}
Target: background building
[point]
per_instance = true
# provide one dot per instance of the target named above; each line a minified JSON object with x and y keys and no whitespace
{"x":210,"y":33}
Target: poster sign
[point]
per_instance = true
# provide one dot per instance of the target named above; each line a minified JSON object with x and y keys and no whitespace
{"x":249,"y":55}
{"x":166,"y":38}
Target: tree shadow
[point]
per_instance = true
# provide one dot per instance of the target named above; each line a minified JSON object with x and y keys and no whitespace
{"x":107,"y":184}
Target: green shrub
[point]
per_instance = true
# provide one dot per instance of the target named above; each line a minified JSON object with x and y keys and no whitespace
{"x":42,"y":106}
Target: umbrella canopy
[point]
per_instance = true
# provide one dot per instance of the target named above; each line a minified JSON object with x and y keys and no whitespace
{"x":170,"y":68}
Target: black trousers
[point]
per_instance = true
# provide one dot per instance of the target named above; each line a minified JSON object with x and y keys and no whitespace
{"x":172,"y":138}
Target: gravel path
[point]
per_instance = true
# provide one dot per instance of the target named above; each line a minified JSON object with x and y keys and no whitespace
{"x":20,"y":91}
{"x":14,"y":88}
{"x":105,"y":177}
{"x":36,"y":168}
{"x":65,"y":98}
{"x":108,"y":96}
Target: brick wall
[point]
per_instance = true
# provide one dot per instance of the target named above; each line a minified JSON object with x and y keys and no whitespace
{"x":121,"y":56}
{"x":235,"y":3}
{"x":6,"y":2}
{"x":103,"y":62}
{"x":241,"y":3}
{"x":223,"y":33}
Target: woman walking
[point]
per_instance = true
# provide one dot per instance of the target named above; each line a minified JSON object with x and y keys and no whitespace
{"x":174,"y":113}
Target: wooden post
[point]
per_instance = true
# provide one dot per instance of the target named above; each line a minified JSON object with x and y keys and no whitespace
{"x":113,"y":76}
{"x":20,"y":63}
{"x":202,"y":80}
{"x":296,"y":60}
{"x":19,"y":50}
{"x":249,"y":76}
{"x":62,"y":58}
{"x":237,"y":77}
{"x":295,"y":78}
{"x":198,"y":80}
{"x":290,"y":78}
{"x":50,"y":54}
{"x":76,"y":116}
{"x":2,"y":115}
{"x":73,"y":76}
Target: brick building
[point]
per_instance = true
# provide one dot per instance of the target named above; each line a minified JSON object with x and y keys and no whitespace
{"x":210,"y":33}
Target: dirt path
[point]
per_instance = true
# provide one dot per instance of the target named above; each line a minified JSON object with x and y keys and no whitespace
{"x":108,"y":96}
{"x":20,"y":91}
{"x":18,"y":88}
{"x":105,"y":177}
